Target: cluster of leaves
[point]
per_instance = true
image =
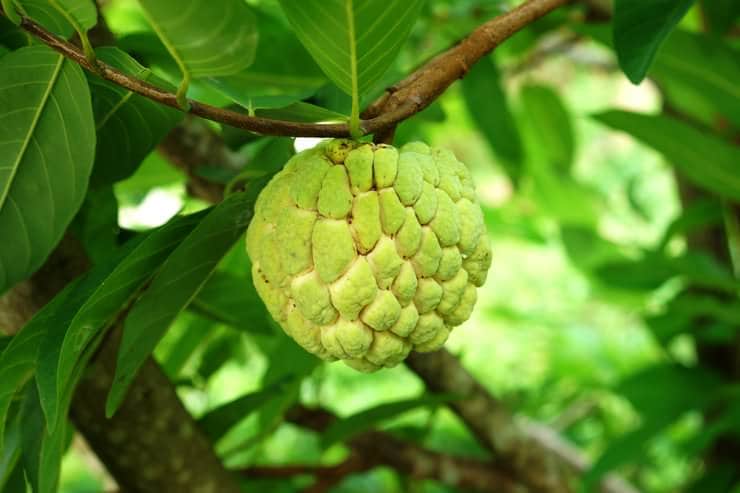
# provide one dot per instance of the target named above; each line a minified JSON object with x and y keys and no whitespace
{"x":67,"y":138}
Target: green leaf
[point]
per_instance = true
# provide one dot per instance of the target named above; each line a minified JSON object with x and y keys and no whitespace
{"x":194,"y":330}
{"x":232,"y":300}
{"x":345,"y":428}
{"x":176,"y":284}
{"x":639,"y":29}
{"x":205,"y":38}
{"x":10,"y":452}
{"x":50,"y":18}
{"x":218,"y":421}
{"x":662,"y":394}
{"x":354,"y":42}
{"x":282,"y":73}
{"x":42,"y":450}
{"x":489,"y":108}
{"x":721,"y":14}
{"x":94,"y":302}
{"x":128,"y":125}
{"x":18,"y":361}
{"x":550,"y":125}
{"x":703,"y":67}
{"x":46,"y":153}
{"x":685,"y":147}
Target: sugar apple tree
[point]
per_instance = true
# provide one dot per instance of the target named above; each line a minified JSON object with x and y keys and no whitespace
{"x":365,"y":252}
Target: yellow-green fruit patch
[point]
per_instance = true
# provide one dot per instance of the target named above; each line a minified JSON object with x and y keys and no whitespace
{"x":362,"y":252}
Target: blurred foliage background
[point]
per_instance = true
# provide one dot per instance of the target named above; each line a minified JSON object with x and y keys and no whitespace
{"x":579,"y":324}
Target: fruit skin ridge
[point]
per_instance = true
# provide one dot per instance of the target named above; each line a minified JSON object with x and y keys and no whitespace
{"x":364,"y":252}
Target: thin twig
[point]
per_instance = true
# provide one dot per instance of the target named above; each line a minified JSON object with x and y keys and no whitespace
{"x":405,"y":99}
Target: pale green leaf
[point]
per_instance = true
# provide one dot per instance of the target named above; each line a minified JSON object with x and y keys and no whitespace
{"x":47,"y":147}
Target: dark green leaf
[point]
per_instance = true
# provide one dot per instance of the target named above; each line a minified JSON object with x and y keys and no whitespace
{"x":225,"y":346}
{"x":685,"y":147}
{"x":42,"y":451}
{"x":18,"y":361}
{"x":93,"y":304}
{"x":10,"y":452}
{"x":345,"y":428}
{"x":282,"y":73}
{"x":46,"y":155}
{"x":550,"y":125}
{"x":232,"y":300}
{"x":96,"y":224}
{"x":128,"y":125}
{"x":353,"y":42}
{"x":721,"y":15}
{"x":639,"y":29}
{"x":217,"y":422}
{"x":489,"y":108}
{"x":194,"y":330}
{"x":181,"y":276}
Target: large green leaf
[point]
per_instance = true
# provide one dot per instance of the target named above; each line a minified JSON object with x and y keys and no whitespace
{"x":205,"y":38}
{"x":353,"y":41}
{"x":344,"y":428}
{"x":176,"y":284}
{"x":640,"y":27}
{"x":488,"y":107}
{"x":94,"y":302}
{"x":706,"y":160}
{"x":282,"y":73}
{"x":128,"y":125}
{"x":46,"y":154}
{"x":703,"y":68}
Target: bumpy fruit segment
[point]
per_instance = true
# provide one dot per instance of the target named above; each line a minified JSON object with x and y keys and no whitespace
{"x":365,"y":252}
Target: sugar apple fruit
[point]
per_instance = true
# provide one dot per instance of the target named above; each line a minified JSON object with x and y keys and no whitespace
{"x":363,"y":252}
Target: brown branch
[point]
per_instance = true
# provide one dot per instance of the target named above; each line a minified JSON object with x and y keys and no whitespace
{"x":375,"y":448}
{"x":536,"y":454}
{"x":423,"y":86}
{"x":400,"y":102}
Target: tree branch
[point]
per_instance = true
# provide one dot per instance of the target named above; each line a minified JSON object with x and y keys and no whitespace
{"x":400,"y":102}
{"x":374,"y":448}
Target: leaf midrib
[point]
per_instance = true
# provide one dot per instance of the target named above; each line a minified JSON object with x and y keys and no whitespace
{"x":34,"y":123}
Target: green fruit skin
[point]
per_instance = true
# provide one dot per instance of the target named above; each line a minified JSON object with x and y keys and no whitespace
{"x":365,"y":252}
